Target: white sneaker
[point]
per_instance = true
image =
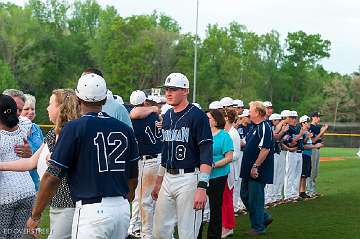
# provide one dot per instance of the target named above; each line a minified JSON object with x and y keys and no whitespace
{"x":227,"y":233}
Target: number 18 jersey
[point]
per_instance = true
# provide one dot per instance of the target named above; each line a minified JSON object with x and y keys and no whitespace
{"x":97,"y":151}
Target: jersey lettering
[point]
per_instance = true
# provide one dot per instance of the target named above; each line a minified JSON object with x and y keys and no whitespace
{"x":179,"y":135}
{"x":150,"y":134}
{"x":111,"y":161}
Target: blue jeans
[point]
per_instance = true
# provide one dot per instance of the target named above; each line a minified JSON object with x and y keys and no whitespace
{"x":253,"y":197}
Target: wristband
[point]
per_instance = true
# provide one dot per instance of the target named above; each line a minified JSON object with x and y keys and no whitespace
{"x":205,"y":177}
{"x":202,"y":184}
{"x":255,"y":165}
{"x":161,"y":171}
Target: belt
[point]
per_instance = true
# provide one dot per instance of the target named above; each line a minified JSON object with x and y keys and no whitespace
{"x":144,"y":157}
{"x":298,"y":151}
{"x":180,"y":170}
{"x":91,"y":200}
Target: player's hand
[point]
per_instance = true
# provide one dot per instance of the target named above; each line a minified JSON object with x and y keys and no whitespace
{"x":254,"y":173}
{"x":158,"y":124}
{"x":155,"y":191}
{"x":32,"y":227}
{"x":325,"y":127}
{"x":285,"y":128}
{"x":155,"y":109}
{"x":23,"y":151}
{"x":200,"y":199}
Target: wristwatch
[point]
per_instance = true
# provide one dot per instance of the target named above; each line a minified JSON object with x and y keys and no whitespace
{"x":255,"y":165}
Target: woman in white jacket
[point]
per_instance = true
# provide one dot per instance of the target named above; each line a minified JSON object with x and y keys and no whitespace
{"x":228,"y":205}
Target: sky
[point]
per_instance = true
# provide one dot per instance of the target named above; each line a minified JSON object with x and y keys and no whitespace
{"x":335,"y":20}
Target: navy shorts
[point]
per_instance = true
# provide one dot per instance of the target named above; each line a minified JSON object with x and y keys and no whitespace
{"x":306,"y":166}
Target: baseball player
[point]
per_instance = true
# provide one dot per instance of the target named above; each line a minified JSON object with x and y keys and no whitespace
{"x":318,"y":133}
{"x":215,"y":105}
{"x":293,"y":143}
{"x":279,"y":166}
{"x":227,"y":102}
{"x":186,"y":162}
{"x":243,"y":129}
{"x":111,"y":106}
{"x":269,"y":109}
{"x":99,"y":154}
{"x":239,"y":108}
{"x":280,"y":130}
{"x":307,"y":152}
{"x":149,"y":138}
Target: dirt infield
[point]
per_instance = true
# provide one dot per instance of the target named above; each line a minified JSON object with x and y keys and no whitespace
{"x":331,"y":158}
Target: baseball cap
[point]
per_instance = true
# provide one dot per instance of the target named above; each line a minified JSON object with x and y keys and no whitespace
{"x":119,"y":99}
{"x":91,"y":88}
{"x":315,"y":114}
{"x":165,"y":108}
{"x":177,"y":80}
{"x":163,"y":99}
{"x":285,"y":113}
{"x":154,"y":98}
{"x":267,"y":104}
{"x":215,"y":105}
{"x":238,"y":103}
{"x":275,"y":117}
{"x":226,"y":102}
{"x":245,"y":113}
{"x":304,"y":118}
{"x":293,"y":113}
{"x":137,"y":97}
{"x":197,"y":105}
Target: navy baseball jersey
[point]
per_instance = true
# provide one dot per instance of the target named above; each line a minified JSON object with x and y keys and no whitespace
{"x":183,"y":132}
{"x":315,"y":130}
{"x":258,"y":138}
{"x":290,"y":134}
{"x":277,"y":148}
{"x":243,"y":131}
{"x":148,"y":135}
{"x":97,"y":151}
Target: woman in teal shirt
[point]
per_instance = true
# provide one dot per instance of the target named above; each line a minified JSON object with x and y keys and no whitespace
{"x":222,"y":156}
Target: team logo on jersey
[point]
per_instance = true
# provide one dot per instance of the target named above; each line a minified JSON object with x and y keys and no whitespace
{"x":179,"y":135}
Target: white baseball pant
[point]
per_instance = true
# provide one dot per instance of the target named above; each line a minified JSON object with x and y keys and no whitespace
{"x":274,"y":191}
{"x":61,"y":220}
{"x":292,"y":175}
{"x":280,"y":175}
{"x":238,"y":204}
{"x":175,"y":204}
{"x":108,"y":219}
{"x":310,"y":182}
{"x":143,"y":219}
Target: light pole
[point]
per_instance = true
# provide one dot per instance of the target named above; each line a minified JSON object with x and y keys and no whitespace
{"x":195,"y":51}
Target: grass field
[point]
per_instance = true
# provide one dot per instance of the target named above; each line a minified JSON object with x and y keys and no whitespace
{"x":334,"y":215}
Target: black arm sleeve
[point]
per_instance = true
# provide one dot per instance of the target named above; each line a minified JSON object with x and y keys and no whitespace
{"x":206,"y":153}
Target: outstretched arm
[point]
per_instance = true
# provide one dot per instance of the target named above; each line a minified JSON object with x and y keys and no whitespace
{"x":142,"y":112}
{"x":22,"y":164}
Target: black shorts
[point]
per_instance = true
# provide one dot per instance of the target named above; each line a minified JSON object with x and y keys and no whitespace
{"x":306,"y":166}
